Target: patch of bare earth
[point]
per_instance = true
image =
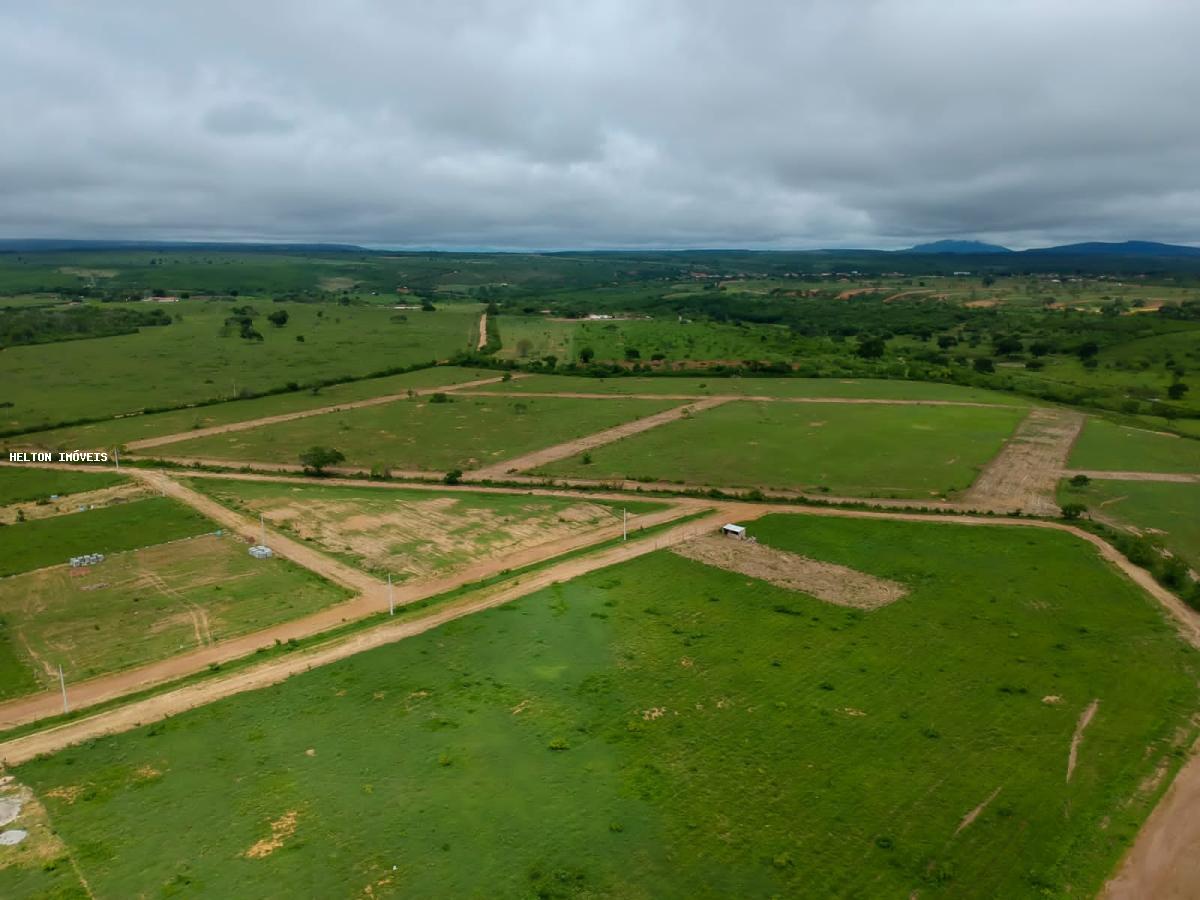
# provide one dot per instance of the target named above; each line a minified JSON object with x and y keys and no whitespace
{"x":830,"y":582}
{"x":1085,"y":719}
{"x":977,"y":811}
{"x":1024,"y":475}
{"x":41,"y":846}
{"x":281,"y":829}
{"x":72,"y":503}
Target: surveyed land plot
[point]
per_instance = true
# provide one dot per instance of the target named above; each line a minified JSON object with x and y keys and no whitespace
{"x":851,"y":388}
{"x":1106,"y":446}
{"x":859,"y":450}
{"x":143,"y":605}
{"x":464,"y":432}
{"x":1168,"y":512}
{"x":668,"y":728}
{"x":130,"y":429}
{"x":415,"y":534}
{"x":26,"y":484}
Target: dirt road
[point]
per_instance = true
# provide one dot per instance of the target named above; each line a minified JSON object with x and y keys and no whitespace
{"x":482,"y":331}
{"x":588,"y":442}
{"x":72,"y":503}
{"x":1024,"y":474}
{"x":1105,"y":475}
{"x":146,"y":443}
{"x":276,"y":670}
{"x":855,"y":401}
{"x":1164,"y":862}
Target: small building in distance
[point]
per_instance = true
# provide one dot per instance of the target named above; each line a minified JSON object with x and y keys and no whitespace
{"x":734,"y":531}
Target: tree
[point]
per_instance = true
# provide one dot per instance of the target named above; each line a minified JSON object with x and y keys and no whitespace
{"x":1088,"y":349}
{"x":1072,"y":511}
{"x":984,"y":365}
{"x":278,"y":318}
{"x":454,"y":476}
{"x":1008,"y":345}
{"x":316,"y":459}
{"x":946,"y":341}
{"x":871,"y":348}
{"x":1177,"y":390}
{"x":632,"y":353}
{"x":586,"y":355}
{"x":1080,"y":480}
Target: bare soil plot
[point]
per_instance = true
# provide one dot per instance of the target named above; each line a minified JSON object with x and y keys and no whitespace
{"x":119,"y":493}
{"x":830,"y":582}
{"x":1024,"y":475}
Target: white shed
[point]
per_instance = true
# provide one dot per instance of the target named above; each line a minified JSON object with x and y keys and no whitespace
{"x":734,"y":531}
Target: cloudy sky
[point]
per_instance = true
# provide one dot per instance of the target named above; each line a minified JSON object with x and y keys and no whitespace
{"x":602,"y":123}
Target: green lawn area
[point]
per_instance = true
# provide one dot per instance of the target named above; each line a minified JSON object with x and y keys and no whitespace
{"x":110,"y":529}
{"x":418,"y":534}
{"x":1163,"y":506}
{"x":144,"y":605}
{"x":416,"y":434}
{"x":522,"y":337}
{"x":667,"y":729}
{"x":115,"y":432}
{"x":1106,"y":446}
{"x":892,"y":451}
{"x":867,"y":388}
{"x":190,"y":360}
{"x":21,"y":484}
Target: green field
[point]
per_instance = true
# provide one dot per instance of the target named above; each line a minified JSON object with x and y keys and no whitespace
{"x":864,"y":388}
{"x":892,"y":451}
{"x":144,"y":605}
{"x":417,"y":434}
{"x":116,"y":432}
{"x":524,"y":338}
{"x":1167,"y":511}
{"x":1108,"y":447}
{"x":666,"y":729}
{"x":21,"y":484}
{"x":417,"y":534}
{"x":111,"y":529}
{"x":190,"y":361}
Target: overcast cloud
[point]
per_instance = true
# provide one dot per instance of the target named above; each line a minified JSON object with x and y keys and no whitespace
{"x":602,"y":124}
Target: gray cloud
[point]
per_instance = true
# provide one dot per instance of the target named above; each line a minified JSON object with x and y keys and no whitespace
{"x":536,"y":124}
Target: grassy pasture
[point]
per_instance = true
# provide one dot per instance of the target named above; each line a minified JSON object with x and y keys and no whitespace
{"x":1104,"y":445}
{"x":110,"y":529}
{"x":523,"y":337}
{"x":863,"y":388}
{"x":416,"y":534}
{"x":21,"y":484}
{"x":1149,"y":506}
{"x":189,"y":360}
{"x":892,"y":451}
{"x":667,"y":729}
{"x":418,"y":434}
{"x":147,"y":604}
{"x":115,"y":432}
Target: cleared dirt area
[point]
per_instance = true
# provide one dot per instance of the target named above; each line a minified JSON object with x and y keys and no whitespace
{"x":423,"y":538}
{"x":72,"y":503}
{"x":608,"y":436}
{"x":145,"y":443}
{"x":482,"y":332}
{"x":832,"y":583}
{"x":1177,"y":477}
{"x":1024,"y":475}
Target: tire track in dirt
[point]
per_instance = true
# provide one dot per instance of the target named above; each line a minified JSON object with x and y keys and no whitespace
{"x":1024,"y":474}
{"x":158,"y":441}
{"x":598,"y":439}
{"x":1085,"y":719}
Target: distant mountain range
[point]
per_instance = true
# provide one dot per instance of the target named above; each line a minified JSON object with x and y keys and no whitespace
{"x":1091,"y":248}
{"x":972,"y":247}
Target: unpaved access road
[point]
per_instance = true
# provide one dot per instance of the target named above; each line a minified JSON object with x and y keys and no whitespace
{"x":1024,"y":474}
{"x":146,"y":443}
{"x":482,"y":332}
{"x":755,"y":398}
{"x":588,"y":442}
{"x":170,"y":703}
{"x":1107,"y":475}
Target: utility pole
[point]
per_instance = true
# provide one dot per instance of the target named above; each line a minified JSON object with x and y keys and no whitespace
{"x":62,"y":683}
{"x":117,"y":454}
{"x":391,"y":597}
{"x":262,"y":530}
{"x":624,"y":524}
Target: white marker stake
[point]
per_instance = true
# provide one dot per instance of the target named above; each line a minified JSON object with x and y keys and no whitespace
{"x":624,"y":524}
{"x":391,"y":597}
{"x":62,"y":683}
